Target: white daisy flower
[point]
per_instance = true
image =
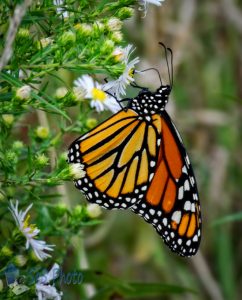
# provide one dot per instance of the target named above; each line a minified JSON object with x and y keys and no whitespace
{"x":93,"y":90}
{"x":118,"y":86}
{"x":46,"y":291}
{"x":30,"y":231}
{"x":60,"y":10}
{"x":145,"y":3}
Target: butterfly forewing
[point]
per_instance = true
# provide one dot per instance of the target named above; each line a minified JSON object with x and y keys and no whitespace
{"x":171,"y":203}
{"x":119,"y":158}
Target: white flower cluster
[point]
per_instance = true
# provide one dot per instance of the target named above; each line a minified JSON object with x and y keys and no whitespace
{"x":101,"y":94}
{"x":118,"y":86}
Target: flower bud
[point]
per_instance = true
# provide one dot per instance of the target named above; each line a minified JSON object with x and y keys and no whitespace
{"x":44,"y":42}
{"x":114,"y":24}
{"x":125,"y":13}
{"x":6,"y":251}
{"x":93,"y":210}
{"x":18,"y":145}
{"x":61,"y":209}
{"x":107,"y":46}
{"x":20,"y":260}
{"x":42,"y":132}
{"x":23,"y":93}
{"x":83,"y":29}
{"x":67,"y":38}
{"x":78,"y":93}
{"x":11,"y":157}
{"x":42,"y":160}
{"x":91,"y":123}
{"x":8,"y":119}
{"x":1,"y":285}
{"x":61,"y":92}
{"x":23,"y":33}
{"x":117,"y":36}
{"x":98,"y":27}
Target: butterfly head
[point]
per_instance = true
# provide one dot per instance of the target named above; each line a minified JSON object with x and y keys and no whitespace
{"x":148,"y":103}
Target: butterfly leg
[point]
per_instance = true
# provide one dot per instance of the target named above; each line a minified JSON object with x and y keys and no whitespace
{"x":114,"y":96}
{"x":135,"y":85}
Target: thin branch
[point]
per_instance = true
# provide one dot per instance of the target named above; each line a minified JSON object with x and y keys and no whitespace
{"x":82,"y":262}
{"x":15,"y":21}
{"x":206,"y":277}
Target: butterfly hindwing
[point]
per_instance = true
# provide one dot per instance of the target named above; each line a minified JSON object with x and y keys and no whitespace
{"x":171,"y":203}
{"x":118,"y":159}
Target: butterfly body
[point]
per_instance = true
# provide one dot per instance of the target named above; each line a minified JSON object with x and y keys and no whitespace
{"x":136,"y":159}
{"x":148,"y":103}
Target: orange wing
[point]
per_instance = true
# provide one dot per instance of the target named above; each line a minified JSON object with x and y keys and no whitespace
{"x":171,"y":203}
{"x":118,"y":159}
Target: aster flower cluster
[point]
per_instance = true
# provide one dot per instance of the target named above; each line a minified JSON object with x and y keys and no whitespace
{"x":104,"y":96}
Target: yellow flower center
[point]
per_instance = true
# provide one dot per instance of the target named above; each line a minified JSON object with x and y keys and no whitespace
{"x":26,"y":224}
{"x":131,"y":73}
{"x":98,"y":94}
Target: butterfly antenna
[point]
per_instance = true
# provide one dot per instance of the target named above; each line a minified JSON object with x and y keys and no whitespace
{"x":154,"y":70}
{"x":167,"y":63}
{"x":172,"y":66}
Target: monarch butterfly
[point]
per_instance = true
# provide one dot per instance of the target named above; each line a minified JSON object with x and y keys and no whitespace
{"x":136,"y":159}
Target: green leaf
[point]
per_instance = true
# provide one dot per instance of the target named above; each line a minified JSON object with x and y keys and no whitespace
{"x":111,"y":286}
{"x":226,"y":263}
{"x":15,"y":82}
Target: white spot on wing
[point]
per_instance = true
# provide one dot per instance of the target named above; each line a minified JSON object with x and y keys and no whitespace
{"x":186,"y":185}
{"x":152,"y":211}
{"x":187,"y":205}
{"x":184,"y":169}
{"x":180,"y":192}
{"x":195,"y":238}
{"x":176,"y":216}
{"x":188,"y":243}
